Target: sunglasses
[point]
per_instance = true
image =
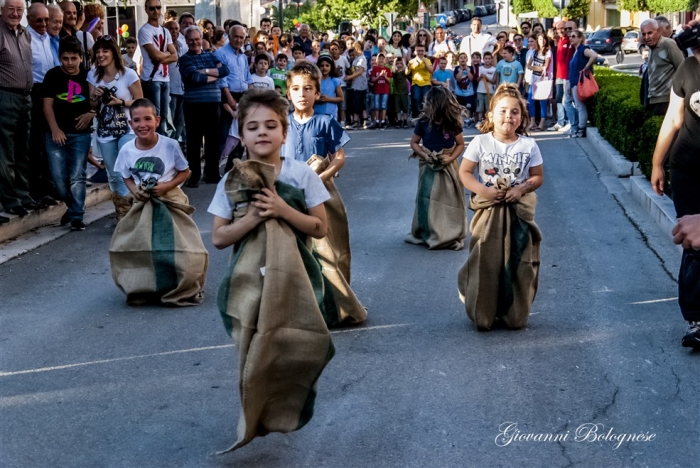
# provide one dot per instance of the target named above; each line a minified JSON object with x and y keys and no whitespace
{"x":105,"y":38}
{"x":422,"y":35}
{"x":154,"y":8}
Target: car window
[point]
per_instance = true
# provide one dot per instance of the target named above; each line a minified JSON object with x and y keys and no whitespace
{"x":631,"y":35}
{"x":601,"y":34}
{"x":616,"y":32}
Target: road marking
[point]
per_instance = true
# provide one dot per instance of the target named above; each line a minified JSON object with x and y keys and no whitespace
{"x":655,"y":301}
{"x":167,"y":353}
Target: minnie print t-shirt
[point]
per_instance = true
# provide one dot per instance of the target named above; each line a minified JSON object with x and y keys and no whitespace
{"x":432,"y":137}
{"x":497,"y":159}
{"x":71,"y":98}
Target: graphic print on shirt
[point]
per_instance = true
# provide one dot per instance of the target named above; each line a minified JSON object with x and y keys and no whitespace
{"x":73,"y":95}
{"x":695,"y":103}
{"x":494,"y":166}
{"x":159,"y":42}
{"x":148,"y":169}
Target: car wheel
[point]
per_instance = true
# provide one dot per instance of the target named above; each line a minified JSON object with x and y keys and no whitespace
{"x":616,"y":49}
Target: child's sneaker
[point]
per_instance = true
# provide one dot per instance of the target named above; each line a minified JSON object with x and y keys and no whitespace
{"x":405,"y":124}
{"x":77,"y":225}
{"x":692,"y":336}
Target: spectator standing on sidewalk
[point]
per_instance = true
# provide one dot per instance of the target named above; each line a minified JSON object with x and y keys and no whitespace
{"x":177,"y":90}
{"x":16,"y":80}
{"x":304,"y":39}
{"x":683,"y":119}
{"x":157,"y":51}
{"x":576,"y":110}
{"x":421,"y":72}
{"x":442,"y":47}
{"x":72,"y":21}
{"x":664,"y":59}
{"x":563,"y":56}
{"x":54,"y":28}
{"x":113,"y":130}
{"x":477,"y":41}
{"x":43,"y":60}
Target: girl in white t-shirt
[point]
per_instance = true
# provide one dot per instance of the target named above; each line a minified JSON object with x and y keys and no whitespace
{"x":509,"y":168}
{"x":116,"y":87}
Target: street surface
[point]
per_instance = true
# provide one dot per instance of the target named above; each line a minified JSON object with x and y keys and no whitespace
{"x":86,"y":381}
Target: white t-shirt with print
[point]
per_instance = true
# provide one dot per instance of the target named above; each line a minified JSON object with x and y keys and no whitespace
{"x":122,"y":83}
{"x":489,"y":72}
{"x":160,"y":38}
{"x":295,"y":173}
{"x":262,"y":82}
{"x":341,"y":65}
{"x":497,"y":159}
{"x":161,"y":162}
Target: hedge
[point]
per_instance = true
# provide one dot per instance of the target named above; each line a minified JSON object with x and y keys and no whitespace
{"x":621,"y":119}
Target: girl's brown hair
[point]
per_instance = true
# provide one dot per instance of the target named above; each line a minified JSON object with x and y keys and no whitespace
{"x":442,"y":110}
{"x":545,"y":49}
{"x":268,"y":98}
{"x":107,"y":44}
{"x":507,"y":91}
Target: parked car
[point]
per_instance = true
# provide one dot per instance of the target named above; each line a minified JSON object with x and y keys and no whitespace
{"x":631,"y":42}
{"x":467,"y":14}
{"x":451,"y":18}
{"x":491,"y":8}
{"x":606,"y":40}
{"x":480,"y":11}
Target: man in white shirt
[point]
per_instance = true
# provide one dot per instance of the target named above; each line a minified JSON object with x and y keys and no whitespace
{"x":477,"y":41}
{"x":442,"y":47}
{"x":186,"y":20}
{"x":157,"y":51}
{"x":43,"y":60}
{"x":54,"y":28}
{"x":177,"y":91}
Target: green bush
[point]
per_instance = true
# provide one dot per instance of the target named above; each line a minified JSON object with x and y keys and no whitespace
{"x":621,"y":119}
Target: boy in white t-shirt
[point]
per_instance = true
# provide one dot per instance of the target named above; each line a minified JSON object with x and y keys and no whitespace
{"x":152,"y":164}
{"x":260,"y":80}
{"x":487,"y":76}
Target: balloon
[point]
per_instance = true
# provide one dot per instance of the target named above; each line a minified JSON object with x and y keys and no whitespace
{"x":125,"y":27}
{"x":119,"y":31}
{"x":125,"y":35}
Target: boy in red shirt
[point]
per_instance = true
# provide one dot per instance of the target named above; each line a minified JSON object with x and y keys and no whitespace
{"x":381,"y":77}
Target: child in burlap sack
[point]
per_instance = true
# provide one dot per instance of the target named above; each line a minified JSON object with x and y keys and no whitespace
{"x":439,"y":220}
{"x":499,"y":280}
{"x":268,"y":208}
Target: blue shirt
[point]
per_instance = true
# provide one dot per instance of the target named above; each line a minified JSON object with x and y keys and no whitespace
{"x":328,"y":86}
{"x":321,"y":135}
{"x":443,"y":76}
{"x":432,"y":137}
{"x":237,"y":63}
{"x":43,"y":58}
{"x":509,"y":71}
{"x":577,"y":64}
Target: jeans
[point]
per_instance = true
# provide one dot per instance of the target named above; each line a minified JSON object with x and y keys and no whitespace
{"x":531,"y":107}
{"x":571,"y":111}
{"x":109,"y":152}
{"x":177,"y":116}
{"x":418,"y":94}
{"x":202,"y":121}
{"x":561,"y":95}
{"x":380,"y":101}
{"x":158,"y":92}
{"x":68,"y":164}
{"x":14,"y":148}
{"x":687,"y":202}
{"x":582,"y":110}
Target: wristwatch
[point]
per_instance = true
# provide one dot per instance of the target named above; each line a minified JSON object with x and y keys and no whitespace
{"x":206,"y":71}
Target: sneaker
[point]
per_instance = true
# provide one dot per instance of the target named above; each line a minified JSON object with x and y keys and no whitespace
{"x":342,"y":123}
{"x":554,"y":128}
{"x":65,"y":219}
{"x":368,"y":125}
{"x":480,"y":124}
{"x":77,"y":225}
{"x":405,"y":124}
{"x":354,"y":126}
{"x":565,"y":128}
{"x":692,"y":336}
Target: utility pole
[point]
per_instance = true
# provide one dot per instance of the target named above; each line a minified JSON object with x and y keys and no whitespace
{"x":280,"y":10}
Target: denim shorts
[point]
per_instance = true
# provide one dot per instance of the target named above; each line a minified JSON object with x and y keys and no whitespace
{"x":380,"y":101}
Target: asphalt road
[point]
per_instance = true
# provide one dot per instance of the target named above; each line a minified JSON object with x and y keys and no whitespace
{"x":86,"y":381}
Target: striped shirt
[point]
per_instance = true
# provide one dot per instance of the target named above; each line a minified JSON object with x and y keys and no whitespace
{"x":196,"y":87}
{"x":15,"y":58}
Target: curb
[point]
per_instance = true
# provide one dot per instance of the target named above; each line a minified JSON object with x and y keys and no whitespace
{"x":17,"y":226}
{"x":660,"y":209}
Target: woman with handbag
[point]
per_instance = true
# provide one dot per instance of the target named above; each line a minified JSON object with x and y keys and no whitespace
{"x":115,"y":88}
{"x":541,"y":89}
{"x":581,"y":66}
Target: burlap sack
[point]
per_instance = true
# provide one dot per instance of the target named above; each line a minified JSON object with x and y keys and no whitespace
{"x":269,"y":302}
{"x":440,"y":218}
{"x":500,"y":277}
{"x":341,"y":306}
{"x":157,"y":254}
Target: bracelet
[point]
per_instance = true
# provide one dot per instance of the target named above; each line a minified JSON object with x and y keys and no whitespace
{"x":92,"y":111}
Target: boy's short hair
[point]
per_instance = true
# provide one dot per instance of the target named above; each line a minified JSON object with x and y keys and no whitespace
{"x":307,"y":69}
{"x":488,"y":54}
{"x":510,"y":49}
{"x":143,"y":103}
{"x":419,"y":45}
{"x":282,"y":56}
{"x":131,"y":40}
{"x":517,"y":35}
{"x":70,"y":45}
{"x":442,"y":58}
{"x":477,"y":53}
{"x":381,"y":54}
{"x":260,"y":57}
{"x":297,"y":48}
{"x":265,"y":98}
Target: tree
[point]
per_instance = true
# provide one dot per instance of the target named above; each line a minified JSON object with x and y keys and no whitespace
{"x":578,"y":9}
{"x":545,"y":8}
{"x":522,"y":6}
{"x":666,"y":6}
{"x":632,"y":5}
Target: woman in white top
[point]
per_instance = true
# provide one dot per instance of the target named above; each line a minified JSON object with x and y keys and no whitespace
{"x":539,"y":64}
{"x":116,"y":87}
{"x":395,"y":46}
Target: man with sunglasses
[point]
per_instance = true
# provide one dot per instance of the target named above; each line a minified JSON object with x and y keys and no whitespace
{"x":477,"y":41}
{"x":43,"y":60}
{"x":157,"y":50}
{"x":564,"y":53}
